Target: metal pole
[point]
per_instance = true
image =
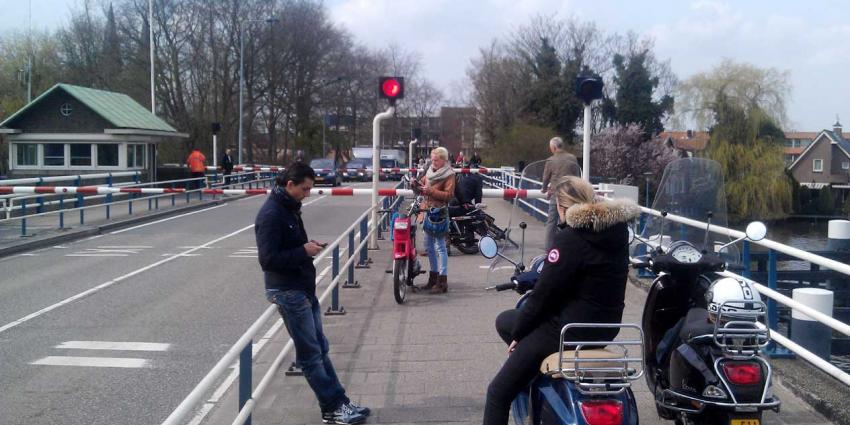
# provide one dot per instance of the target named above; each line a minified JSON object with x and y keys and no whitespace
{"x":150,"y":36}
{"x":215,"y":150}
{"x":376,"y":165}
{"x":29,"y":57}
{"x":241,"y":84}
{"x":324,"y":150}
{"x":410,"y":153}
{"x":585,"y":172}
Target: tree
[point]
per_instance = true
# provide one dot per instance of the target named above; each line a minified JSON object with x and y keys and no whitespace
{"x":741,"y":85}
{"x":621,"y":153}
{"x":635,"y":93}
{"x":757,"y":186}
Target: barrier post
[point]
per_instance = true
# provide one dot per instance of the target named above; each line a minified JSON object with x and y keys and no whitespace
{"x":350,"y":282}
{"x":773,"y":349}
{"x":335,"y":309}
{"x":108,"y":195}
{"x":245,"y":377}
{"x":79,"y":202}
{"x":62,"y":212}
{"x":24,"y":214}
{"x":811,"y":334}
{"x":40,"y":199}
{"x":364,"y":230}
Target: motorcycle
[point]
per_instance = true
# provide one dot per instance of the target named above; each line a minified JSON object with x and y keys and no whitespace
{"x":406,"y":265}
{"x":465,"y":224}
{"x":581,"y":382}
{"x":704,"y":333}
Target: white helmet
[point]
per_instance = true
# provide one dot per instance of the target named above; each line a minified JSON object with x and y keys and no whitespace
{"x":738,"y":295}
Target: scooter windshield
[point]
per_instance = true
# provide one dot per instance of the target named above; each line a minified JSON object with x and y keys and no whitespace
{"x":692,"y":188}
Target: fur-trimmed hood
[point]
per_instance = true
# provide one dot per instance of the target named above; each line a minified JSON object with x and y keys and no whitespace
{"x":601,"y":215}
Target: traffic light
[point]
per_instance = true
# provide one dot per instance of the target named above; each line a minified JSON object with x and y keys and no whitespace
{"x":391,"y":88}
{"x":588,"y":87}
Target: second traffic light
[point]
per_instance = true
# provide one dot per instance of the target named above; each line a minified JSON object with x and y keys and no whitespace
{"x":391,"y":88}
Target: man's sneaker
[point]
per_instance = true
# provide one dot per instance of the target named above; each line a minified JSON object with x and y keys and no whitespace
{"x":359,"y":409}
{"x":345,"y":415}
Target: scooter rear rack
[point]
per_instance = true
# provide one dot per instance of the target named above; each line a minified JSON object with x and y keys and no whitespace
{"x":601,"y":375}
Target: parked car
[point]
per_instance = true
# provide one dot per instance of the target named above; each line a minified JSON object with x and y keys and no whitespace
{"x":390,"y":175}
{"x":327,"y":171}
{"x":358,"y":169}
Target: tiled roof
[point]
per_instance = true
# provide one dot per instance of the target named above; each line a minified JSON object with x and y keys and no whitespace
{"x":697,"y":142}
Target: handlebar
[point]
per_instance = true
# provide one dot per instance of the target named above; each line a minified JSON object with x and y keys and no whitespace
{"x":501,"y":287}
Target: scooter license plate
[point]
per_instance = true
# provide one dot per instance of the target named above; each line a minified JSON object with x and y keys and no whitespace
{"x":745,"y":422}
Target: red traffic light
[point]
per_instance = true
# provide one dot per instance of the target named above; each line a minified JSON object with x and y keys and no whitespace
{"x":391,"y":88}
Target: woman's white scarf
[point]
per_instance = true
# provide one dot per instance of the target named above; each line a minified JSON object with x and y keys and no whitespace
{"x":434,"y":176}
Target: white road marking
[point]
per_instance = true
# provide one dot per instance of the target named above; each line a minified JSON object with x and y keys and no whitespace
{"x":166,"y":219}
{"x":114,"y":345}
{"x":124,"y":277}
{"x":96,"y":255}
{"x":125,"y":247}
{"x":497,"y":268}
{"x":93,"y":362}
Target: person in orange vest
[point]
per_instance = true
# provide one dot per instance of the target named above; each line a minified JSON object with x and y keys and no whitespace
{"x":197,"y":165}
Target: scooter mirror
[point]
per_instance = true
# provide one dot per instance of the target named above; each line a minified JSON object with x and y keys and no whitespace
{"x":756,"y":231}
{"x":487,"y":246}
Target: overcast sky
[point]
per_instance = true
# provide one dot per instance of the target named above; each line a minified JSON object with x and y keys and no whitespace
{"x":810,"y":39}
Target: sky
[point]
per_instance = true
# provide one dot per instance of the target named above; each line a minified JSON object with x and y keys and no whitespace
{"x":809,"y":39}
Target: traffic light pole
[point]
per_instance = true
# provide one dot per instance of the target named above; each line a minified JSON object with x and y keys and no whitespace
{"x":376,"y":168}
{"x":585,"y":151}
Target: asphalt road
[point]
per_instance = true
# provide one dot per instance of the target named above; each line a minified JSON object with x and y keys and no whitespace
{"x":176,"y":294}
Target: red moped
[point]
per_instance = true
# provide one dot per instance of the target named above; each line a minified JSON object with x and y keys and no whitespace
{"x":406,"y":265}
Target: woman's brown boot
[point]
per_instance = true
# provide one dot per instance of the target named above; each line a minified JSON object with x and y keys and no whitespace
{"x":442,"y":285}
{"x":433,"y":277}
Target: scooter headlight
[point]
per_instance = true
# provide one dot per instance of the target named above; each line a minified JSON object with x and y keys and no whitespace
{"x":401,"y":225}
{"x":712,"y":391}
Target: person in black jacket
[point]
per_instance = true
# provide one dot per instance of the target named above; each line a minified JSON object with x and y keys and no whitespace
{"x":286,"y":257}
{"x":583,"y":280}
{"x":227,"y":165}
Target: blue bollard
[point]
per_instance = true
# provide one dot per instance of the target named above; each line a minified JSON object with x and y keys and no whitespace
{"x":773,"y":349}
{"x":350,"y":282}
{"x":245,"y":377}
{"x":335,"y":309}
{"x":364,"y":229}
{"x":80,"y":201}
{"x":24,"y":221}
{"x":40,"y":199}
{"x":108,"y":195}
{"x":61,"y":213}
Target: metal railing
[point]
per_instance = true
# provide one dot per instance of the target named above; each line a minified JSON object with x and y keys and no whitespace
{"x":770,"y":290}
{"x":22,"y":208}
{"x":242,"y":349}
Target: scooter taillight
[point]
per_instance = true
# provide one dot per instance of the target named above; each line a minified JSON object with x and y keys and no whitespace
{"x":742,"y":373}
{"x":602,"y":412}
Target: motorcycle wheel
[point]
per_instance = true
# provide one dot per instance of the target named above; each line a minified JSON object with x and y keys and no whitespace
{"x":466,"y":242}
{"x":400,"y":276}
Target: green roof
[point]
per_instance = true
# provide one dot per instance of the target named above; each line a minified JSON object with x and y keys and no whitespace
{"x":118,"y":109}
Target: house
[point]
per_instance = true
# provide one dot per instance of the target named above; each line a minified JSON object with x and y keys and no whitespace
{"x":795,"y":143}
{"x":77,"y":130}
{"x":687,"y":143}
{"x":825,"y":162}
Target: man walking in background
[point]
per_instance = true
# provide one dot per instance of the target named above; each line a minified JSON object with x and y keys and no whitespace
{"x":560,"y":164}
{"x":227,"y":165}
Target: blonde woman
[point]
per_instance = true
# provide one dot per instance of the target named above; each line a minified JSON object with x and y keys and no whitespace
{"x":583,"y":280}
{"x":438,"y":187}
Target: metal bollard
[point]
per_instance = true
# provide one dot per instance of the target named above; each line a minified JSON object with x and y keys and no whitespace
{"x":79,"y":202}
{"x":108,"y":195}
{"x":364,"y":230}
{"x":24,"y":220}
{"x":61,"y":213}
{"x":773,"y":349}
{"x":838,"y":234}
{"x":335,"y":309}
{"x":808,"y":332}
{"x":745,"y":259}
{"x":350,"y":282}
{"x":245,"y":378}
{"x":40,"y":199}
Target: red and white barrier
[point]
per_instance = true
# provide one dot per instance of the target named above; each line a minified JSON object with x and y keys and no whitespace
{"x":85,"y":190}
{"x":336,"y":191}
{"x":238,"y":168}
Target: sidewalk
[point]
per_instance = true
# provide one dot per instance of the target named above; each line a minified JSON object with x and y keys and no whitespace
{"x":430,"y":360}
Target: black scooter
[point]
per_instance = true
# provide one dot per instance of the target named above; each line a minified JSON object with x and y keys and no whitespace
{"x":467,"y":224}
{"x":703,"y":331}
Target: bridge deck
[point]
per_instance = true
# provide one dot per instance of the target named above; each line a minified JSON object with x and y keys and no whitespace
{"x":429,"y":360}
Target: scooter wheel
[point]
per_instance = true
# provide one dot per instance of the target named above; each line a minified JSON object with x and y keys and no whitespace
{"x":400,"y":276}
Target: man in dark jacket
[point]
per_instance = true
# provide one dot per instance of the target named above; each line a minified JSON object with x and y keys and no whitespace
{"x":286,"y":257}
{"x":227,"y":165}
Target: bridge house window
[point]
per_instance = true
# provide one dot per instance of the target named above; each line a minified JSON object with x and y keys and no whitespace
{"x":817,"y":166}
{"x":845,"y":165}
{"x":27,"y":153}
{"x":135,"y":156}
{"x":107,"y":155}
{"x":81,"y":154}
{"x":54,"y":154}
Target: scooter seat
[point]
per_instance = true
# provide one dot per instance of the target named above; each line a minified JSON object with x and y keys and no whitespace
{"x":697,"y":326}
{"x":550,"y":365}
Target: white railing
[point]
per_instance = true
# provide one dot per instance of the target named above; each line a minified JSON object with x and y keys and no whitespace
{"x":836,"y":325}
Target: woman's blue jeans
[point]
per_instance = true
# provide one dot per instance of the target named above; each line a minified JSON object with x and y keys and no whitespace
{"x":436,"y":246}
{"x":302,"y":314}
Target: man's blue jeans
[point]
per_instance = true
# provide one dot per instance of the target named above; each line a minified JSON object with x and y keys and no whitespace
{"x":302,"y":316}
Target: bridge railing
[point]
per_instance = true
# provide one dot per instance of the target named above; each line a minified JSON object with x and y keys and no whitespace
{"x":242,"y":350}
{"x":770,"y":290}
{"x":21,"y":208}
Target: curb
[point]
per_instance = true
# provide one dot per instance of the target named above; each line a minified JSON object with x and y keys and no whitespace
{"x":824,"y":395}
{"x":96,"y":230}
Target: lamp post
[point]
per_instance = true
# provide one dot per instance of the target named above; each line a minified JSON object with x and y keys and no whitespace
{"x":242,"y":71}
{"x":150,"y":41}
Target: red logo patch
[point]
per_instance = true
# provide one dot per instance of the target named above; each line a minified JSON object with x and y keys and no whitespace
{"x":554,"y":255}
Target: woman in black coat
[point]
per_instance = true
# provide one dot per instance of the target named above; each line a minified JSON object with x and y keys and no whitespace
{"x":583,"y":280}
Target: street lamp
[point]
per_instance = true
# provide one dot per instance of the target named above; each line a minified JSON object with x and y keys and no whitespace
{"x":325,"y":114}
{"x":242,"y":71}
